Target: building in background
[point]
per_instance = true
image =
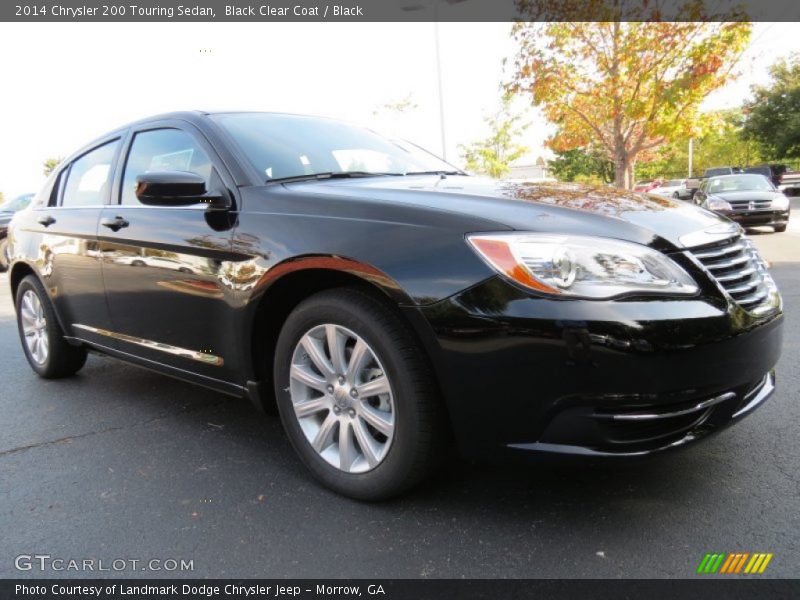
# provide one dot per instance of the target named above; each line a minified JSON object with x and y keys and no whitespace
{"x":524,"y":169}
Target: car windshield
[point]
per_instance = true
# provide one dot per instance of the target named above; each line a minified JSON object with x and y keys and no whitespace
{"x":645,"y":182}
{"x":17,"y":203}
{"x":759,"y":170}
{"x":674,"y":183}
{"x":293,"y":146}
{"x":740,"y":183}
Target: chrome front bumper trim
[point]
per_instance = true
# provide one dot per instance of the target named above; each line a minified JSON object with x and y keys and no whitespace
{"x":757,"y":395}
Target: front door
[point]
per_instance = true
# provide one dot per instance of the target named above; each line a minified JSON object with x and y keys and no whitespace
{"x":161,"y":265}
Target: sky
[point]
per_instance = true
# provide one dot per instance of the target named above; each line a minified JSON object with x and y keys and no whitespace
{"x":65,"y":84}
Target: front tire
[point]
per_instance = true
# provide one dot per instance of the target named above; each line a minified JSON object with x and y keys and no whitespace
{"x":356,"y":395}
{"x":48,"y":353}
{"x":780,"y":228}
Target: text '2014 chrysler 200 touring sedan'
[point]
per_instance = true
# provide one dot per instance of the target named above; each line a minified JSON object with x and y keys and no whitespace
{"x":389,"y":303}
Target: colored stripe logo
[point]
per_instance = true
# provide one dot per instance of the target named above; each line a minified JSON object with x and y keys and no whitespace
{"x":734,"y":563}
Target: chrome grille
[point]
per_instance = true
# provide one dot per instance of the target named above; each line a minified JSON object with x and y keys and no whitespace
{"x":745,"y":204}
{"x":736,"y":265}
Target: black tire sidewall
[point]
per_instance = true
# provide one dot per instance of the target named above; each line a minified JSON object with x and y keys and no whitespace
{"x":62,"y":359}
{"x":388,"y":477}
{"x":3,"y":257}
{"x":31,"y":284}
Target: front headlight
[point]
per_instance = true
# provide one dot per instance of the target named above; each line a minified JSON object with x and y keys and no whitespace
{"x":780,"y":203}
{"x":581,"y":266}
{"x":712,"y":203}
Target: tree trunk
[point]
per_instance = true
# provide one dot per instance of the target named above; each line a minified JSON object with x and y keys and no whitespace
{"x":620,"y":169}
{"x":624,"y":167}
{"x":630,"y":176}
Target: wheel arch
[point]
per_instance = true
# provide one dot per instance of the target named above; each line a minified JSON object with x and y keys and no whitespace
{"x":288,"y":284}
{"x":18,"y":272}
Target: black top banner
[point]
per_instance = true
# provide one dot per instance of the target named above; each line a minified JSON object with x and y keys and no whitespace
{"x":398,"y":10}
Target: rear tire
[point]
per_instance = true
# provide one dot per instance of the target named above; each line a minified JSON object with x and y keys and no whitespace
{"x":376,"y":463}
{"x":48,"y":353}
{"x":3,"y":256}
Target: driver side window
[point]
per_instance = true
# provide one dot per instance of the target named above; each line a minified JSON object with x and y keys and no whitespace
{"x":162,"y":150}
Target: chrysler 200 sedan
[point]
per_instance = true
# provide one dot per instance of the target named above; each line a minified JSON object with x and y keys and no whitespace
{"x":389,"y":304}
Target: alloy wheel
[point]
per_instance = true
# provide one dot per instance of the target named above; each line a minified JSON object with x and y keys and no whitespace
{"x":342,"y":398}
{"x":34,"y":327}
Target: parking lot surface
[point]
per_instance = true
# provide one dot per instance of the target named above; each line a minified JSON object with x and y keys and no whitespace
{"x":118,"y":462}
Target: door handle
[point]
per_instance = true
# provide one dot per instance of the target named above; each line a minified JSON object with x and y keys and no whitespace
{"x":114,"y":224}
{"x":46,"y":220}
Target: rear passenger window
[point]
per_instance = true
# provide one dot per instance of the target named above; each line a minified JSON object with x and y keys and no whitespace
{"x":162,"y":150}
{"x":88,"y":179}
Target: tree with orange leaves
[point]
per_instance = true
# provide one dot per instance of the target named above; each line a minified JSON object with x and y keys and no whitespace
{"x":625,"y":87}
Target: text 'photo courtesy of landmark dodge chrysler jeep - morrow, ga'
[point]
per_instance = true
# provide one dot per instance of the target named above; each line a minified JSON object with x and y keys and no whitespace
{"x":389,"y":303}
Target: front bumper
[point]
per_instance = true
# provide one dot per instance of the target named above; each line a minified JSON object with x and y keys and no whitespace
{"x":614,"y":378}
{"x":755,"y":218}
{"x":625,"y":431}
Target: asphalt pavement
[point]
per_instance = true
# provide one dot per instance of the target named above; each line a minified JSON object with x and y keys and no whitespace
{"x":122,"y":463}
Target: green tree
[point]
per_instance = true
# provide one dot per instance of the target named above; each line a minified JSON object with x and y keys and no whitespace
{"x":773,"y":121}
{"x":493,"y":155}
{"x":49,"y":165}
{"x":586,"y":165}
{"x":718,"y":142}
{"x":624,"y":87}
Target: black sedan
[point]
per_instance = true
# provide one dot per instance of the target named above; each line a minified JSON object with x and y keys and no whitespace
{"x":389,"y":304}
{"x":7,"y":210}
{"x":749,"y":199}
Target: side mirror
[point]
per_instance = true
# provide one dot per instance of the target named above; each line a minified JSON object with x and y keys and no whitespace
{"x":176,"y":188}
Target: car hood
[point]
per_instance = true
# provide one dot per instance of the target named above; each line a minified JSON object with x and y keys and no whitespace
{"x":548,"y":207}
{"x":746,"y":195}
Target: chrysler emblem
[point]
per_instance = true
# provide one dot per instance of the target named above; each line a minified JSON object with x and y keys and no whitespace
{"x":752,"y":205}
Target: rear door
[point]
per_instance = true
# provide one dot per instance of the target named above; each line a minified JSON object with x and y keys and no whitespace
{"x":68,"y":258}
{"x":162,"y":265}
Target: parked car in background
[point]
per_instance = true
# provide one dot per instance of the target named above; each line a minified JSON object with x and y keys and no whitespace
{"x":646,"y":185}
{"x":670,"y":189}
{"x":790,"y":183}
{"x":772,"y":172}
{"x":716,"y":171}
{"x":749,"y":199}
{"x":390,"y":304}
{"x":7,"y":210}
{"x":689,"y":188}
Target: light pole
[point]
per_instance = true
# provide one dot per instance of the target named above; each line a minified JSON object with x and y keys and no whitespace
{"x":746,"y":113}
{"x":439,"y":80}
{"x":440,"y":87}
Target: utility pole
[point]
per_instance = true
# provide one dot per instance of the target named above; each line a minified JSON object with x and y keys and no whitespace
{"x":417,"y":6}
{"x":746,"y":113}
{"x":439,"y":79}
{"x":691,"y":156}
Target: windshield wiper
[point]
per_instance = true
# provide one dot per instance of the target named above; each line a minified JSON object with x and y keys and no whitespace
{"x":331,"y":175}
{"x":436,"y":173}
